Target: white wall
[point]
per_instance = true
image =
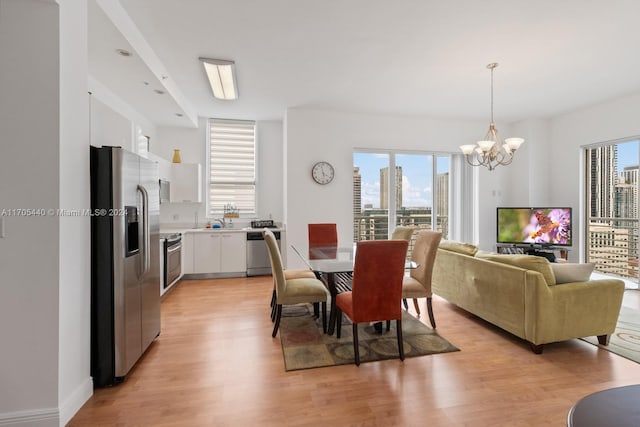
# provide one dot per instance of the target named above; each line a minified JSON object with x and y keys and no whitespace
{"x":74,"y":381}
{"x":29,"y":178}
{"x":270,"y":173}
{"x":108,"y":127}
{"x":113,"y":121}
{"x":314,"y":135}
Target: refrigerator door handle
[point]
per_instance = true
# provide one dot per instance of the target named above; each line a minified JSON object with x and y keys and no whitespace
{"x":145,"y":229}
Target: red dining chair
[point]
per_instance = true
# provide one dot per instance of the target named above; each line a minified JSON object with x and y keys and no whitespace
{"x":376,"y":288}
{"x":323,"y":236}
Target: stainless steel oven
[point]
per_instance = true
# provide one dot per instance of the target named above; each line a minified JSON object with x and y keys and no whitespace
{"x":172,"y":258}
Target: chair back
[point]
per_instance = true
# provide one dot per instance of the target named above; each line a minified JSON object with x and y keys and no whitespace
{"x":377,"y":280}
{"x":402,"y":232}
{"x":424,"y":254}
{"x":277,"y":268}
{"x":323,"y":236}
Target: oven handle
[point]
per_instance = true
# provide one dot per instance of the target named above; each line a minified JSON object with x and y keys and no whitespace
{"x":174,"y":239}
{"x":174,"y":248}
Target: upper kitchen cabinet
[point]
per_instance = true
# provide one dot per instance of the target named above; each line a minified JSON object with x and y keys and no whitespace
{"x":186,"y":183}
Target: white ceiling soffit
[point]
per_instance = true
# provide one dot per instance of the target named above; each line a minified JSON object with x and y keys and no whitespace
{"x":140,"y":80}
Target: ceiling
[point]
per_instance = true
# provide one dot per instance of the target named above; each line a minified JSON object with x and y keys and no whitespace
{"x":405,"y":57}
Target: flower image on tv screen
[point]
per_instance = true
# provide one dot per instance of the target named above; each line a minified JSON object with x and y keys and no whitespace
{"x":544,"y":226}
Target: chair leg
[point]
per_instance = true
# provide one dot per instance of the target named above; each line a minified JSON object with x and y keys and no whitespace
{"x":274,"y":309}
{"x":399,"y":333}
{"x":324,"y":317}
{"x":404,"y":302}
{"x":415,"y":305}
{"x":338,"y":321}
{"x":604,"y":339}
{"x":273,"y":298}
{"x":356,"y":349}
{"x":316,"y":310}
{"x":388,"y":325}
{"x":277,"y":324}
{"x":432,"y":319}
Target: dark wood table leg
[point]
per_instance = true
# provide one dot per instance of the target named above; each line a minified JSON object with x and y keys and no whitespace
{"x":331,"y":285}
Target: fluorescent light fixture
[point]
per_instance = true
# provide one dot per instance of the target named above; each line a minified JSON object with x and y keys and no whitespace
{"x":221,"y":74}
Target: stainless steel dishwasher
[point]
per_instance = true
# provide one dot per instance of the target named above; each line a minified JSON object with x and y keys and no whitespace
{"x":258,"y":263}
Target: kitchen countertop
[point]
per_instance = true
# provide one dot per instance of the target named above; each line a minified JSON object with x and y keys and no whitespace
{"x":173,"y":229}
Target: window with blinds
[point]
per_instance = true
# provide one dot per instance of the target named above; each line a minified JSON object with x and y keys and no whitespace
{"x":232,"y":167}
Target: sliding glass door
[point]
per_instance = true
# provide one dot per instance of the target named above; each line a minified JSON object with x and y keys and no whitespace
{"x":612,"y":207}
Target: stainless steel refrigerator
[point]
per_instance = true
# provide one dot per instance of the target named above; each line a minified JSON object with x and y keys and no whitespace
{"x":125,"y":273}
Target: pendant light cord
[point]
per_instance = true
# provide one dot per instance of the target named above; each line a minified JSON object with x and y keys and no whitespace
{"x":492,"y":92}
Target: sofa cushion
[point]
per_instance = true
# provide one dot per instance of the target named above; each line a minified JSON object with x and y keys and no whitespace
{"x":528,"y":262}
{"x":459,"y":247}
{"x":570,"y":272}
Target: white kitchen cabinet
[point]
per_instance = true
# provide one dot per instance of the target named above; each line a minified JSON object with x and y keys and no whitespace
{"x":214,"y":252}
{"x":186,"y":183}
{"x":187,"y":253}
{"x":233,"y":256}
{"x":206,"y":257}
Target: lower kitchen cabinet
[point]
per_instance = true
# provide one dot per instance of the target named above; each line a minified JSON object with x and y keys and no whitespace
{"x":187,"y":253}
{"x":233,"y":257}
{"x":206,"y":253}
{"x":214,"y":252}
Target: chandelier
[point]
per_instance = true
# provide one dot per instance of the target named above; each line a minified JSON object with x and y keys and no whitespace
{"x":490,"y":152}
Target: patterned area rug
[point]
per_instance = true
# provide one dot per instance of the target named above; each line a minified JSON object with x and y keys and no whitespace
{"x":304,"y":345}
{"x":625,"y":341}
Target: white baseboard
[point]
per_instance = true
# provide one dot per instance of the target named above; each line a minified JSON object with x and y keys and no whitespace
{"x":36,"y":418}
{"x":74,"y":402}
{"x":51,"y":417}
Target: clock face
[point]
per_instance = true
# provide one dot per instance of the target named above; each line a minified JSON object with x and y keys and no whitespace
{"x":322,"y":173}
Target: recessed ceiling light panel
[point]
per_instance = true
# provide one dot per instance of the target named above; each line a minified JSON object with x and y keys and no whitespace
{"x":221,"y":74}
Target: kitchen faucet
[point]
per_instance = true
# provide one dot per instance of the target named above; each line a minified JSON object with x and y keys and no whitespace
{"x":222,"y":222}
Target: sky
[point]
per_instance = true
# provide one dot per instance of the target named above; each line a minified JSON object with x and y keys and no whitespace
{"x":627,"y":155}
{"x":416,"y":180}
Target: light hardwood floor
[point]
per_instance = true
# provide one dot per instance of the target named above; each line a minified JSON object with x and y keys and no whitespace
{"x":215,"y":364}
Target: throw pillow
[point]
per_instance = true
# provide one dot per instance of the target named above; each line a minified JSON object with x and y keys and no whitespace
{"x":463,"y":248}
{"x":528,"y":262}
{"x":568,"y":272}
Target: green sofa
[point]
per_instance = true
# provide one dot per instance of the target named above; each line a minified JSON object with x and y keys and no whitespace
{"x":519,"y":294}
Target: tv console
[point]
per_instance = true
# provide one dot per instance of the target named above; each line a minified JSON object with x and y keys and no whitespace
{"x":531,"y":249}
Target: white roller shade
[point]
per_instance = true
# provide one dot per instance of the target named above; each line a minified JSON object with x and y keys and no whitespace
{"x":232,"y":166}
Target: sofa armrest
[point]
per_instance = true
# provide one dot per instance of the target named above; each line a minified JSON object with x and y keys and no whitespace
{"x":571,"y":310}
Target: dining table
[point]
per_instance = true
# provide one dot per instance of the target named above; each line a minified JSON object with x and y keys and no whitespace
{"x":334,"y":266}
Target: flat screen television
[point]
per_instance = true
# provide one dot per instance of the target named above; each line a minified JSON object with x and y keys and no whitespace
{"x":546,"y":226}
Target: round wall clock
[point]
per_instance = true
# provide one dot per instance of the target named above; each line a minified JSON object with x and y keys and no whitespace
{"x":322,"y":173}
